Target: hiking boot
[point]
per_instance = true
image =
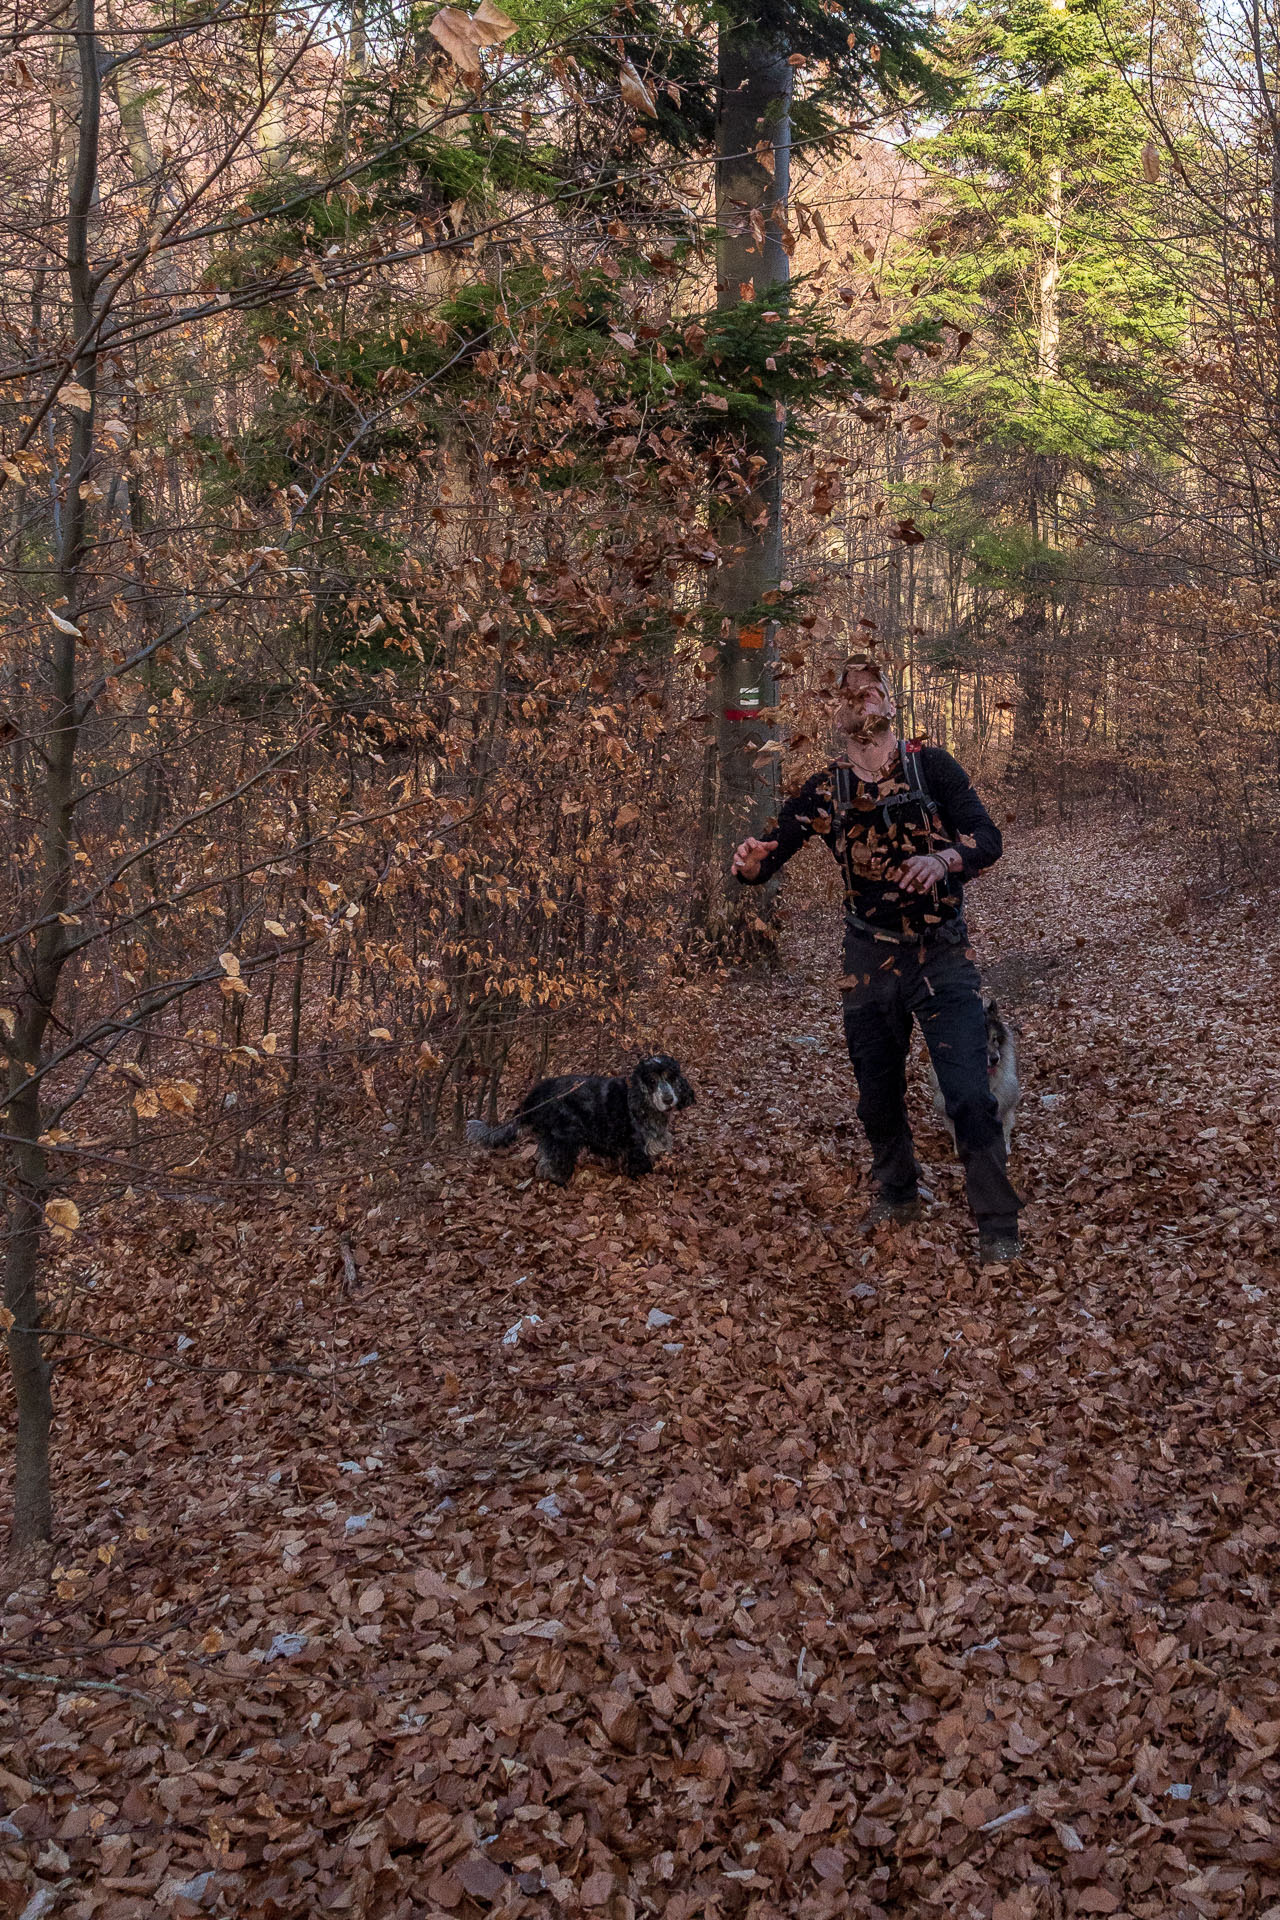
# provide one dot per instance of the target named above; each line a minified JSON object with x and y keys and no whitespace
{"x":998,"y":1249}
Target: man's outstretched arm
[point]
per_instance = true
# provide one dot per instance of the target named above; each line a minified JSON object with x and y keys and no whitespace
{"x":758,"y":860}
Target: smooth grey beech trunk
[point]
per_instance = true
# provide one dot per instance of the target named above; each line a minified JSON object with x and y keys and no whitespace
{"x":755,"y":83}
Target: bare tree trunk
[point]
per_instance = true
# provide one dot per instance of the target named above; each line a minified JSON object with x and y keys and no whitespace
{"x":1050,"y":320}
{"x":32,"y":1504}
{"x":1029,"y":720}
{"x":275,"y":137}
{"x":129,"y":97}
{"x":753,"y":139}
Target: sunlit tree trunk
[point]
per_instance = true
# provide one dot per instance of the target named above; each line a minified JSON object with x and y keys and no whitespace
{"x":129,"y":97}
{"x":753,"y":136}
{"x":1043,"y":506}
{"x":1049,"y":318}
{"x":274,"y":135}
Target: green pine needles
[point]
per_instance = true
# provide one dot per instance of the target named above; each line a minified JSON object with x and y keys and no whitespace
{"x":1044,"y":240}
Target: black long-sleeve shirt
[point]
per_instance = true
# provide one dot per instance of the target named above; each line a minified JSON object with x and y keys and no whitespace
{"x":872,"y":827}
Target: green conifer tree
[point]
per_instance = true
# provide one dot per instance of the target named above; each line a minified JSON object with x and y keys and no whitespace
{"x":1042,"y":245}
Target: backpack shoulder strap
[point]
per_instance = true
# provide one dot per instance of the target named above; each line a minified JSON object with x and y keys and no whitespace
{"x":912,"y":758}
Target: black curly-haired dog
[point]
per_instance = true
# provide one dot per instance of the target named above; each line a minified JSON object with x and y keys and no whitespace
{"x":621,"y":1119}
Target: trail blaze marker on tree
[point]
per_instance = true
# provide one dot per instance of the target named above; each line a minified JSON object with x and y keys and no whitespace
{"x":748,"y":706}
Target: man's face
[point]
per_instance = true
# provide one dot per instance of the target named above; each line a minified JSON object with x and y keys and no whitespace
{"x":865,"y":708}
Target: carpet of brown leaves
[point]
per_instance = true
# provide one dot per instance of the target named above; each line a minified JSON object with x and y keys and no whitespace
{"x":668,"y":1548}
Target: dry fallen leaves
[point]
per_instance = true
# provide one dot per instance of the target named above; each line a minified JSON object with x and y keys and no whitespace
{"x":880,"y":1589}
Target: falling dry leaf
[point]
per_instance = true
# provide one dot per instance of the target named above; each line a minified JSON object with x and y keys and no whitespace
{"x":62,"y":1215}
{"x":178,"y":1096}
{"x":460,"y":39}
{"x":635,"y":92}
{"x":494,"y":24}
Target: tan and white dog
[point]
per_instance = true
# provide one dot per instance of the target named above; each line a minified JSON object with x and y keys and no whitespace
{"x":1002,"y":1072}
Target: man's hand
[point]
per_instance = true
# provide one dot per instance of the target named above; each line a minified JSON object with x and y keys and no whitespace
{"x":922,"y":872}
{"x":749,"y":858}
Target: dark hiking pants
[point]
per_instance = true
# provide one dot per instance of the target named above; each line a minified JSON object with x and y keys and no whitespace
{"x":938,"y":986}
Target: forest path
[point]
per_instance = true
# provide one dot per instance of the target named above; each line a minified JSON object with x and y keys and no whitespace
{"x":769,"y":1570}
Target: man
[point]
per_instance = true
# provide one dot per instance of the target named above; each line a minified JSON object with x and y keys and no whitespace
{"x":906,"y":837}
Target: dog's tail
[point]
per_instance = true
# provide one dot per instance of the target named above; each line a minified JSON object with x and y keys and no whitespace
{"x":481,"y":1134}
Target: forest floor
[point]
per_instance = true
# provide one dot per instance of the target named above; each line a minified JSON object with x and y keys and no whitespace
{"x":670,"y":1548}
